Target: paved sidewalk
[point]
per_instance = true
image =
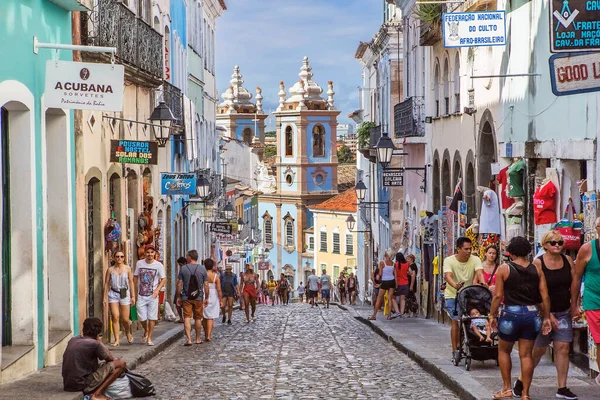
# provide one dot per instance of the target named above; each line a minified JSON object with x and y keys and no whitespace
{"x":428,"y":343}
{"x":47,"y":383}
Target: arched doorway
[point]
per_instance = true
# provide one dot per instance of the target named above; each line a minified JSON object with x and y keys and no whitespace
{"x":289,"y":273}
{"x":456,"y":170}
{"x":436,"y":185}
{"x":446,"y":182}
{"x":470,"y":187}
{"x":486,"y":150}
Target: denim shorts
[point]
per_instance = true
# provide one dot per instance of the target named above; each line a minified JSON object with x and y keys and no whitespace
{"x":325,"y":293}
{"x":564,"y":333}
{"x":519,"y":322}
{"x":449,"y":305}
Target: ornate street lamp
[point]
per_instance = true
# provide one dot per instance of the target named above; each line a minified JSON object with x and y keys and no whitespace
{"x":361,"y":190}
{"x":161,"y":119}
{"x":228,"y":211}
{"x":350,"y":222}
{"x":202,"y":187}
{"x":240,"y":225}
{"x":385,"y":148}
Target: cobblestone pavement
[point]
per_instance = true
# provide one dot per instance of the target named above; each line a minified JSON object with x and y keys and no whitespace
{"x":291,"y":352}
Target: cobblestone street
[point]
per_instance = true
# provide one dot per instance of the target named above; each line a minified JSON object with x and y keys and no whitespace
{"x":291,"y":352}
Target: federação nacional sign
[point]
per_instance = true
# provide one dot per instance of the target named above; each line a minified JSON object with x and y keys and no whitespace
{"x":84,"y":86}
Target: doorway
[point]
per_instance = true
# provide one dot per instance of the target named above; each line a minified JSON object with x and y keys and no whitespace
{"x":6,"y":257}
{"x":94,"y":249}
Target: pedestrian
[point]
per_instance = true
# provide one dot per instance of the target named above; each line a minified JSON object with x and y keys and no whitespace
{"x":490,"y":268}
{"x":587,"y":266}
{"x":264,"y":292}
{"x":558,"y":270}
{"x":325,"y":287}
{"x":282,"y":289}
{"x":272,"y":286}
{"x":521,"y":285}
{"x":301,"y":292}
{"x":313,"y":288}
{"x":150,"y":277}
{"x":80,"y":369}
{"x":119,"y":294}
{"x":181,"y":261}
{"x":250,"y":291}
{"x":352,"y":288}
{"x":240,"y":294}
{"x":388,"y":284}
{"x":193,"y":291}
{"x":229,"y":287}
{"x":411,"y":300}
{"x":376,"y":279}
{"x":290,"y":292}
{"x":401,"y":291}
{"x":459,"y":271}
{"x":341,"y":284}
{"x":215,"y":300}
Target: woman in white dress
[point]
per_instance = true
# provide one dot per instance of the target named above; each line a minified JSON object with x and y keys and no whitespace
{"x":211,"y":311}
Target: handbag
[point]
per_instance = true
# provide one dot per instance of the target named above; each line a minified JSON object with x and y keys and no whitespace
{"x":140,"y":385}
{"x":570,"y":229}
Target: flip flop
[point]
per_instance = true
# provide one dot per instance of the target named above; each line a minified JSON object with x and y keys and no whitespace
{"x":144,"y":339}
{"x":150,"y":344}
{"x":506,"y":394}
{"x":372,"y":318}
{"x":130,"y":341}
{"x":187,"y":344}
{"x":198,"y":342}
{"x":114,"y":345}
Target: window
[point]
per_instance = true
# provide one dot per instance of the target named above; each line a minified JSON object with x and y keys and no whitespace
{"x":336,"y":243}
{"x":289,"y":233}
{"x":247,"y":136}
{"x":311,"y":243}
{"x":323,"y":266}
{"x":318,"y":141}
{"x":323,"y":246}
{"x":349,"y":244}
{"x":268,"y":228}
{"x":289,"y":142}
{"x":446,"y":79}
{"x":436,"y":91}
{"x":457,"y":84}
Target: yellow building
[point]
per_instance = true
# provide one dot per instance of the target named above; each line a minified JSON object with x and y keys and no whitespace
{"x":335,"y":245}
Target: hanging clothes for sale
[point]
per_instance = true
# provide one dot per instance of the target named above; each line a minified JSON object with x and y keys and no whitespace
{"x":489,"y":220}
{"x":502,"y":178}
{"x":457,"y":197}
{"x":430,"y":238}
{"x":488,"y":239}
{"x":472,"y":233}
{"x":515,"y":179}
{"x":514,"y":215}
{"x":544,"y":204}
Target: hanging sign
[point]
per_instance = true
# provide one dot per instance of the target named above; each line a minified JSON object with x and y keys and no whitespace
{"x":393,"y":177}
{"x":172,"y":183}
{"x":574,"y":26}
{"x":575,"y":73}
{"x":133,"y":152}
{"x":218,"y":227}
{"x":84,"y":86}
{"x":468,"y":29}
{"x":263,"y":265}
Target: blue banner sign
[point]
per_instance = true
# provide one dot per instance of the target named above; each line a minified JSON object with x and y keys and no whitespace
{"x":468,"y":29}
{"x":172,"y":183}
{"x":574,"y":26}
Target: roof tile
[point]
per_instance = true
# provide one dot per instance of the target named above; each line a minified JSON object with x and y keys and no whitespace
{"x":345,"y":201}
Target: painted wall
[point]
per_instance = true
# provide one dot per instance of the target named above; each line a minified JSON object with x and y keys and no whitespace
{"x":331,"y":222}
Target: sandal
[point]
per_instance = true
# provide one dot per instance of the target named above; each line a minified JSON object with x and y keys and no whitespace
{"x":504,"y":394}
{"x":144,"y":339}
{"x":130,"y":338}
{"x":389,"y":317}
{"x":114,"y":345}
{"x":372,"y":318}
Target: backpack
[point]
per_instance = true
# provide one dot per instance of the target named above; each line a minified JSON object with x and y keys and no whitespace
{"x":193,"y":291}
{"x":283,"y":284}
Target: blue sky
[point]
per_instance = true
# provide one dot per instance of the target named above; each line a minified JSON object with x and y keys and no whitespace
{"x":269,"y":38}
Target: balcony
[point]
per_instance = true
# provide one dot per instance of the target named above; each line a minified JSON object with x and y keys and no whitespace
{"x":173,"y":98}
{"x":409,"y":118}
{"x":138,"y":45}
{"x":74,"y":5}
{"x":479,"y":5}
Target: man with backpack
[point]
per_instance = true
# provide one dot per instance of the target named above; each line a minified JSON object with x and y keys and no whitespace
{"x":192,"y":292}
{"x":229,"y":287}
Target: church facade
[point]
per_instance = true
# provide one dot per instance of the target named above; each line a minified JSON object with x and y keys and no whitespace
{"x":305,"y":174}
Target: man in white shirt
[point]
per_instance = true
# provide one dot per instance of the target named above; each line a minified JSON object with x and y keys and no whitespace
{"x":149,"y":276}
{"x":313,"y":288}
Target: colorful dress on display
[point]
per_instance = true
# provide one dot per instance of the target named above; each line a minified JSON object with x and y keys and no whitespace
{"x":488,"y":239}
{"x":470,"y":234}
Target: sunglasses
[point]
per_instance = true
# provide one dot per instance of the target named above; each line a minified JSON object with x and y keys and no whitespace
{"x":556,"y":242}
{"x":119,"y":256}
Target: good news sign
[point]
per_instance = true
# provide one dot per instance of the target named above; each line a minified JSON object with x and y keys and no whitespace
{"x":468,"y":29}
{"x":575,"y":73}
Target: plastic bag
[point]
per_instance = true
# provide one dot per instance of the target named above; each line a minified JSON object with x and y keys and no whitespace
{"x":140,"y":385}
{"x":169,"y":314}
{"x":119,"y":389}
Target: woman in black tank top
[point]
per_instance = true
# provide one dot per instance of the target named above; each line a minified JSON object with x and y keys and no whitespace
{"x":523,"y":287}
{"x":558,"y":269}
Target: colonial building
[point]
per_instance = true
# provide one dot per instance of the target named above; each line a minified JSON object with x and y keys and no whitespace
{"x":306,"y":173}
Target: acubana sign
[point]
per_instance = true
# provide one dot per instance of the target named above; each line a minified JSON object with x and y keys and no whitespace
{"x":175,"y":183}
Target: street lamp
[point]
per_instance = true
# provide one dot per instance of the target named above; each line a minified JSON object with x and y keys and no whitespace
{"x":228,"y":211}
{"x":361,"y":190}
{"x":350,"y":222}
{"x":202,"y":187}
{"x":385,"y":148}
{"x":161,"y":119}
{"x":240,"y":225}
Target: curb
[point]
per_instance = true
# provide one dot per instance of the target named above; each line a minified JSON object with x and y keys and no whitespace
{"x":427,"y":365}
{"x":174,"y":335}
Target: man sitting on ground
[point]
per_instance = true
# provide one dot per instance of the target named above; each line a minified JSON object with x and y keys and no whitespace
{"x":81,"y":371}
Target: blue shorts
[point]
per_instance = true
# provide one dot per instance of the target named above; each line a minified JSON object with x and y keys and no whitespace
{"x":519,"y":322}
{"x":563,"y":334}
{"x":449,"y":307}
{"x":325,"y":293}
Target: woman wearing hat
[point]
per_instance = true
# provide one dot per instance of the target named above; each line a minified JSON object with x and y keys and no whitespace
{"x":250,"y":286}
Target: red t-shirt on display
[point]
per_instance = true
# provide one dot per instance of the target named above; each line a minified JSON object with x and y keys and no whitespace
{"x":544,"y":204}
{"x":503,"y":180}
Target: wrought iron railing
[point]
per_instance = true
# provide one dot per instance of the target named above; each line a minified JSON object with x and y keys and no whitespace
{"x":409,"y":117}
{"x":112,"y":24}
{"x":174,"y":99}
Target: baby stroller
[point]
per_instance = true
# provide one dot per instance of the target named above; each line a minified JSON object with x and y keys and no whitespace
{"x":472,"y":348}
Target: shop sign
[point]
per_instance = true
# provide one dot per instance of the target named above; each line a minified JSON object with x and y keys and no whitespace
{"x":173,"y":183}
{"x":218,"y":227}
{"x":133,"y":152}
{"x":469,"y":29}
{"x":84,"y":86}
{"x":393,"y":177}
{"x":575,"y":73}
{"x":574,"y":26}
{"x":263,"y":265}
